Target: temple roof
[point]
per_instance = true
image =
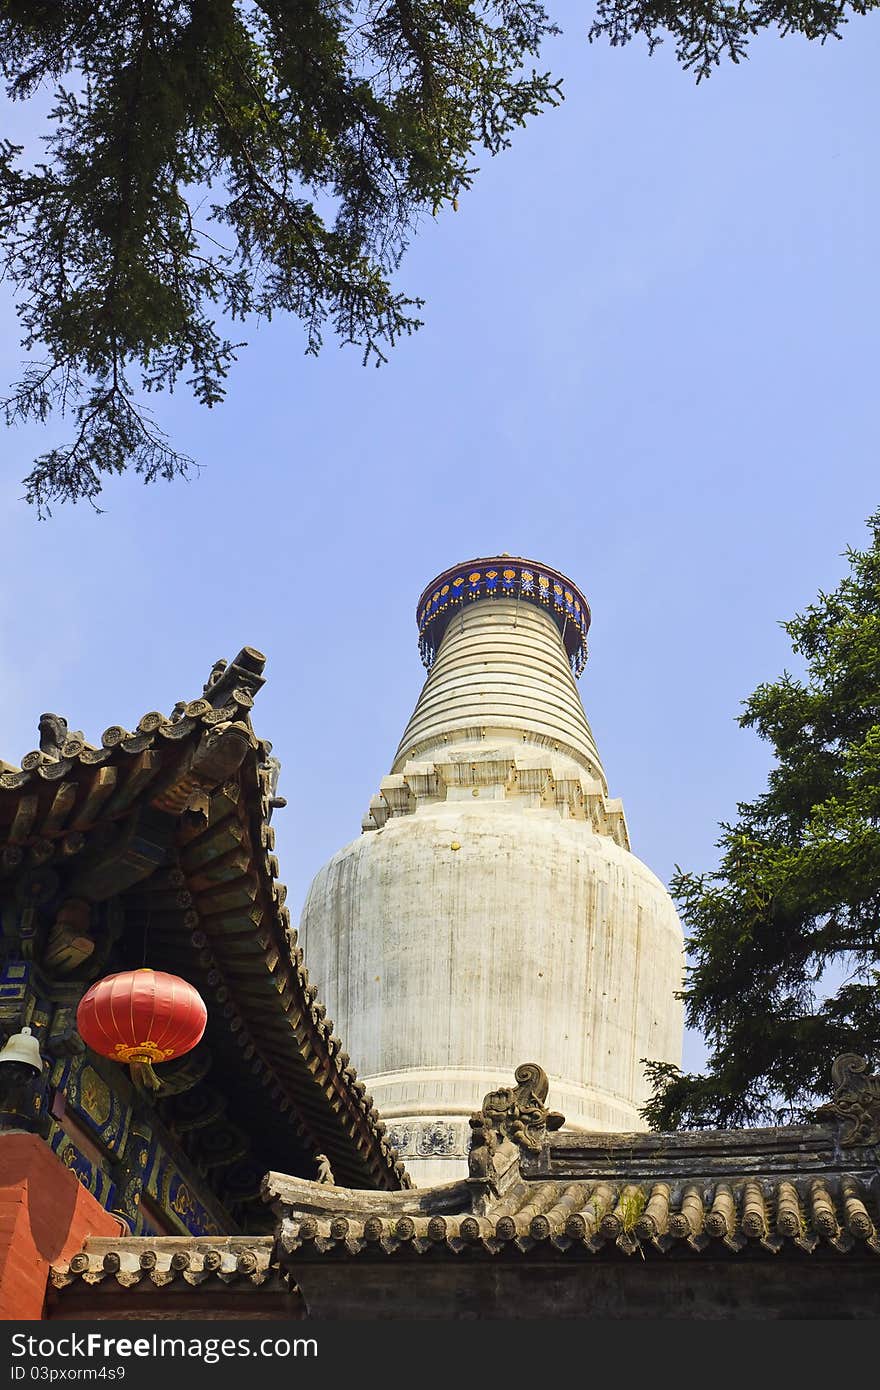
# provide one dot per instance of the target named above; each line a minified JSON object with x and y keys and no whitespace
{"x":795,"y":1189}
{"x":172,"y":820}
{"x":546,"y":1224}
{"x":750,"y":1207}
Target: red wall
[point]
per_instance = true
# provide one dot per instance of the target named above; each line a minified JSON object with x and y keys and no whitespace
{"x":45,"y":1216}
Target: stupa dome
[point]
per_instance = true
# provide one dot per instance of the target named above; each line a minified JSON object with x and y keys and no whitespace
{"x":492,"y":911}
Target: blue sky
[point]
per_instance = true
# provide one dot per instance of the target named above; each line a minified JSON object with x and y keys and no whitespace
{"x":649,"y":360}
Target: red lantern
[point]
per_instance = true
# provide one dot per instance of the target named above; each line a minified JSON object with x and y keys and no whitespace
{"x":141,"y":1017}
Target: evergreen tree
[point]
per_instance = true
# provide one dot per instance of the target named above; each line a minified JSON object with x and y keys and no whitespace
{"x":211,"y":161}
{"x":240,"y":156}
{"x":704,"y":34}
{"x":798,"y":885}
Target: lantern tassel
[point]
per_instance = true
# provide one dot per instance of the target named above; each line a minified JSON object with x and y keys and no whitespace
{"x":143,"y":1076}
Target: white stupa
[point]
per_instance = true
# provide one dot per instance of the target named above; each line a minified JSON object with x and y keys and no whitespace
{"x":492,"y":911}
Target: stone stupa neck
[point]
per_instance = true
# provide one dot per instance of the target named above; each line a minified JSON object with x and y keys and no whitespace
{"x":502,"y":677}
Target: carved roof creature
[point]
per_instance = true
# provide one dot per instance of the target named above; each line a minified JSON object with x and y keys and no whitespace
{"x":855,"y":1104}
{"x":516,"y":1113}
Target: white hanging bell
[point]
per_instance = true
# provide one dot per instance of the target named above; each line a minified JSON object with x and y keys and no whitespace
{"x":22,"y":1047}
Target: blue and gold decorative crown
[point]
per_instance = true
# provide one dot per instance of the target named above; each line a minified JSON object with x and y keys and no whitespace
{"x":503,"y":576}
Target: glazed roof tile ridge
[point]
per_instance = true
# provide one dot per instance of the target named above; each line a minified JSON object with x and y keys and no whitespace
{"x":155,"y":729}
{"x":152,"y":725}
{"x":551,"y":1219}
{"x":129,"y":1261}
{"x":803,"y":1186}
{"x":836,"y":1211}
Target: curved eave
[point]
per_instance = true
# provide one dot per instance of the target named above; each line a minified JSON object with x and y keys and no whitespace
{"x":237,"y":938}
{"x":144,"y":817}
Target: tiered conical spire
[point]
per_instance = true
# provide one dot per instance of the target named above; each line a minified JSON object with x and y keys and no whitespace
{"x":501,"y":676}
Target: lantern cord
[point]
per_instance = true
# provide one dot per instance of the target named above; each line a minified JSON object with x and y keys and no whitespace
{"x":146,"y":930}
{"x":143,"y":1076}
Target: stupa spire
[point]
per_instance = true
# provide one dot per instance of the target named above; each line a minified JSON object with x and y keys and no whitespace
{"x":502,"y":639}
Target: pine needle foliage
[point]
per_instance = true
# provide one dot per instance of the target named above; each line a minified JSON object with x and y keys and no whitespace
{"x":210,"y":161}
{"x":706,"y":33}
{"x":797,"y":889}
